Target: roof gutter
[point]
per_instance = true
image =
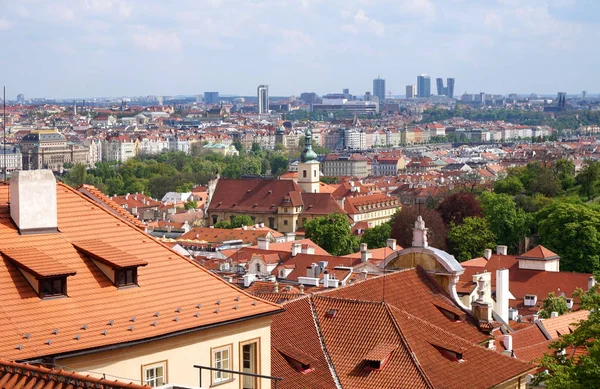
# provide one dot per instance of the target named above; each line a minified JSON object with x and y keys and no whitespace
{"x":154,"y":338}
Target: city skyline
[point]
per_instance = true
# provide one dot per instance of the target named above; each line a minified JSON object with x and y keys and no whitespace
{"x":67,"y":49}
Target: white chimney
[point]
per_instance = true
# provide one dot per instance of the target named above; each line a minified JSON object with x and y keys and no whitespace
{"x":309,"y":271}
{"x":487,"y":254}
{"x":296,"y":249}
{"x":391,"y":243}
{"x":501,"y":250}
{"x":507,"y":341}
{"x":365,"y":254}
{"x":553,"y":315}
{"x":290,"y":237}
{"x":263,"y":243}
{"x":33,"y":201}
{"x":502,"y":294}
{"x":326,"y":279}
{"x":591,"y":282}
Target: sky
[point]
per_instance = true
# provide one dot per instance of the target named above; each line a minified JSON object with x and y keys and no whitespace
{"x":112,"y":48}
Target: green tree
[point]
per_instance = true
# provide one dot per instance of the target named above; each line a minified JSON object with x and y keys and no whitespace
{"x":77,"y":175}
{"x":191,"y":205}
{"x":553,"y":303}
{"x":377,"y":236}
{"x":510,"y":185}
{"x":574,"y":360}
{"x":185,"y":187}
{"x":279,"y":164}
{"x":564,"y":169}
{"x":508,"y":223}
{"x":332,"y":233}
{"x":223,"y":224}
{"x":241,"y":221}
{"x":329,"y":180}
{"x":588,"y":179}
{"x":573,"y":232}
{"x":469,"y":239}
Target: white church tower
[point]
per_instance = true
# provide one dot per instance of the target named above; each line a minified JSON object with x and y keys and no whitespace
{"x":308,"y":168}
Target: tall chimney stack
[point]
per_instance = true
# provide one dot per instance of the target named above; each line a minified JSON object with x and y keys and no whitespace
{"x":502,"y":294}
{"x":33,"y":201}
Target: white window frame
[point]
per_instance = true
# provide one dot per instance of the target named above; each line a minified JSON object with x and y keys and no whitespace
{"x":217,"y":360}
{"x":156,"y":379}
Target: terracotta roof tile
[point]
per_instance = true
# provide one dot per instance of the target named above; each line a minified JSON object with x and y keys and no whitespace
{"x":539,"y":252}
{"x":105,"y":201}
{"x":168,"y":282}
{"x":37,"y":262}
{"x":15,"y":375}
{"x":563,"y":324}
{"x":107,"y":254}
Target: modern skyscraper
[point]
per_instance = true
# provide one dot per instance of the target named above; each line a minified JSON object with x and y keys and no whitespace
{"x":450,"y":88}
{"x":423,"y":86}
{"x":211,"y":97}
{"x":584,"y":94}
{"x":379,"y":88}
{"x":263,"y":99}
{"x":411,"y":91}
{"x":440,"y":86}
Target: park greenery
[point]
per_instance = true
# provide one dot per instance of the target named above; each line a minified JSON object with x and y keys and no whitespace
{"x":557,"y":120}
{"x":175,"y":171}
{"x":332,"y":233}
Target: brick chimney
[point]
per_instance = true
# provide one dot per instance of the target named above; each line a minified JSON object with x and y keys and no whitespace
{"x":33,"y":201}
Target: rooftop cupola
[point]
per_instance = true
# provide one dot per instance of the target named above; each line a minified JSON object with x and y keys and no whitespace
{"x":308,"y":153}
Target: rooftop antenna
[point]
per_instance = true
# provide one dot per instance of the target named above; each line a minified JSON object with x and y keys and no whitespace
{"x":4,"y":128}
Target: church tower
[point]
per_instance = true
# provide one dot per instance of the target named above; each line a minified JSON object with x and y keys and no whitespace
{"x":280,"y":136}
{"x":308,"y":168}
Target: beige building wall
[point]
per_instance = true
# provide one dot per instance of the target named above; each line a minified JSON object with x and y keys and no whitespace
{"x":180,"y":353}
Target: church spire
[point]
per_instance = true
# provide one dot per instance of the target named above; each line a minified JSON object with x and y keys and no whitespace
{"x":308,"y":153}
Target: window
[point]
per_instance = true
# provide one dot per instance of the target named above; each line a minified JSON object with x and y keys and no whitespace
{"x":303,"y":173}
{"x":285,"y":222}
{"x":155,"y":374}
{"x":314,"y":173}
{"x":221,"y":357}
{"x":50,"y":287}
{"x":126,"y":277}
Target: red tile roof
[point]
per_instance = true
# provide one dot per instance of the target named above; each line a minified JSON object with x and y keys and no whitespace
{"x":167,"y":283}
{"x":15,"y":375}
{"x":220,"y":235}
{"x":105,"y":201}
{"x":539,"y":252}
{"x":37,"y":262}
{"x":252,"y":195}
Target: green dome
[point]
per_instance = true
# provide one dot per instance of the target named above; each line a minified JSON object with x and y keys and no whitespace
{"x":308,"y":154}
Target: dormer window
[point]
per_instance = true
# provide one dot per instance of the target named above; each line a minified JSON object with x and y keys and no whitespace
{"x":46,"y":275}
{"x":120,"y":267}
{"x":377,"y":358}
{"x":530,"y":300}
{"x":452,"y":355}
{"x":127,"y":277}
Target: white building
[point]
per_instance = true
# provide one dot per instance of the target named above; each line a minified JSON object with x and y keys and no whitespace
{"x":118,"y":148}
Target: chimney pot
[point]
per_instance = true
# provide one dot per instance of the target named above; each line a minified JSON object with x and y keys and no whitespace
{"x":391,"y":243}
{"x":591,"y":282}
{"x":487,"y":254}
{"x":33,"y":200}
{"x":263,"y":243}
{"x":501,"y":250}
{"x":553,"y":314}
{"x":508,"y":342}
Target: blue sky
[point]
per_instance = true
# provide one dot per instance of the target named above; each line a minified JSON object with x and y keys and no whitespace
{"x":82,"y":48}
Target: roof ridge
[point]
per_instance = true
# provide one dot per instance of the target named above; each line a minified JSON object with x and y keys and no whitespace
{"x":413,"y":356}
{"x":334,"y":375}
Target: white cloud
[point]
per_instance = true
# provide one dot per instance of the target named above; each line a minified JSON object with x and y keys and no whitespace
{"x":155,"y":40}
{"x":293,"y":41}
{"x":5,"y":24}
{"x":364,"y":23}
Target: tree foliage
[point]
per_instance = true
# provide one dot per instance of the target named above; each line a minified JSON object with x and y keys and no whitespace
{"x":241,"y":221}
{"x":572,"y":231}
{"x":332,"y":233}
{"x":377,"y":236}
{"x":510,"y":185}
{"x":508,"y":223}
{"x":404,"y":222}
{"x":469,"y":239}
{"x":588,"y":179}
{"x":458,"y":206}
{"x":574,"y":360}
{"x":553,"y":303}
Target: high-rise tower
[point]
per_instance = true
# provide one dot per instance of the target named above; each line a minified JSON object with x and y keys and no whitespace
{"x":263,"y":99}
{"x":450,"y":87}
{"x":423,"y":86}
{"x":440,"y":86}
{"x":379,"y":88}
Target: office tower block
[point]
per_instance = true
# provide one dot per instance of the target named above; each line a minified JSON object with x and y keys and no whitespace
{"x":423,"y":86}
{"x":211,"y":97}
{"x":263,"y":99}
{"x":379,"y":88}
{"x":450,"y":87}
{"x":440,"y":86}
{"x":411,"y":91}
